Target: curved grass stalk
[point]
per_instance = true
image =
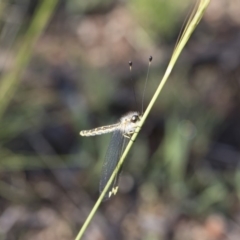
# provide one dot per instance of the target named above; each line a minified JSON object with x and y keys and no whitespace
{"x":10,"y":81}
{"x":2,"y":7}
{"x":188,"y":30}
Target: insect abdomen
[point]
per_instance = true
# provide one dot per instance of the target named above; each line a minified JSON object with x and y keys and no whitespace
{"x":99,"y":130}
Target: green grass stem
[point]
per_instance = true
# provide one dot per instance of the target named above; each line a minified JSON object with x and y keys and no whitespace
{"x":190,"y":26}
{"x":10,"y":80}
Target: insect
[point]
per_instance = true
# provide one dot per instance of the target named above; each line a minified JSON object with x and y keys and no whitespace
{"x":121,"y":134}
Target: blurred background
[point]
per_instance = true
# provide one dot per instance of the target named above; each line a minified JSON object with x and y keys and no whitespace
{"x":64,"y":68}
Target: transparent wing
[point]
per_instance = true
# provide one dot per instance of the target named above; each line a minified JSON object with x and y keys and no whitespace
{"x":116,"y":147}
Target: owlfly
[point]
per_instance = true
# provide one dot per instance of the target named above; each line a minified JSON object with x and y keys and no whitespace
{"x":121,"y":134}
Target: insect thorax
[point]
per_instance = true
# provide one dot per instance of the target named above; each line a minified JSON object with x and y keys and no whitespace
{"x":129,"y":123}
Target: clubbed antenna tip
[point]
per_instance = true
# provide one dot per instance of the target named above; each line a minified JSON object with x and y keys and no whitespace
{"x":130,"y":64}
{"x":150,"y":59}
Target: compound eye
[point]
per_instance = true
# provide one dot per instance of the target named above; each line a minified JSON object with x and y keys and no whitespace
{"x":134,"y":118}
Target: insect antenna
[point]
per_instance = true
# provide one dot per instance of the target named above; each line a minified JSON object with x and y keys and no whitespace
{"x":144,"y":89}
{"x":133,"y":88}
